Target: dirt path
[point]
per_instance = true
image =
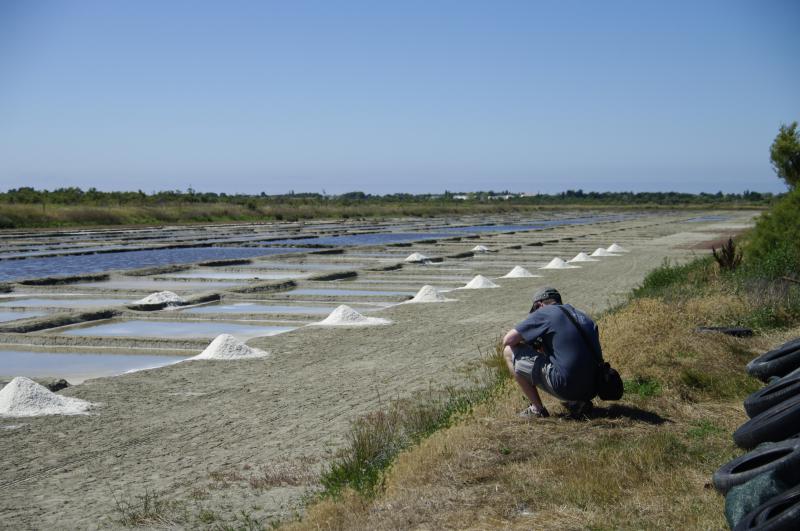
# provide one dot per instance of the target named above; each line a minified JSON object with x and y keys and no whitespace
{"x":203,"y":429}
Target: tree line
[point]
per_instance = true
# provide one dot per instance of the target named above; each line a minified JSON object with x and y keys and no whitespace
{"x":94,"y":197}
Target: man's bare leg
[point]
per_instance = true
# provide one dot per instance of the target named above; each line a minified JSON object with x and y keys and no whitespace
{"x":528,"y":389}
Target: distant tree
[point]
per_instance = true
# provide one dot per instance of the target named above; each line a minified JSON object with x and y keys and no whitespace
{"x":785,"y":154}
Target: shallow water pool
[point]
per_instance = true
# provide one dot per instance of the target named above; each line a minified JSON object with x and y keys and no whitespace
{"x":13,"y":316}
{"x":95,"y":263}
{"x":252,"y":307}
{"x":302,"y":266}
{"x":159,"y":285}
{"x":357,"y":292}
{"x":76,"y":367}
{"x":233,"y":275}
{"x":175,"y":329}
{"x":62,"y":303}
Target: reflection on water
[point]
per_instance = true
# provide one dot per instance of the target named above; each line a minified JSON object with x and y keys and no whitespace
{"x":95,"y":263}
{"x":62,"y":303}
{"x":13,"y":316}
{"x":363,"y":239}
{"x":302,"y":266}
{"x":232,"y":275}
{"x":73,"y":367}
{"x":326,"y":291}
{"x":149,"y":284}
{"x":175,"y":329}
{"x":252,"y":307}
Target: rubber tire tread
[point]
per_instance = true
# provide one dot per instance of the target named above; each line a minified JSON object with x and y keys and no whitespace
{"x":779,"y":422}
{"x":780,"y":513}
{"x":772,"y":394}
{"x":777,"y":362}
{"x":725,"y":477}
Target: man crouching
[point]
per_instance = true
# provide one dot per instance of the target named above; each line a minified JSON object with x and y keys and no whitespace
{"x":556,"y":348}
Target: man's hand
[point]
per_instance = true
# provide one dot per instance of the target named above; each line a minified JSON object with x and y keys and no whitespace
{"x":512,"y":338}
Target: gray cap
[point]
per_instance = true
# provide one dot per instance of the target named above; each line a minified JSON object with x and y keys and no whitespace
{"x":544,"y":294}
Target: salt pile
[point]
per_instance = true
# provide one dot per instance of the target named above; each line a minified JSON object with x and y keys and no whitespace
{"x":227,"y":347}
{"x":23,"y":397}
{"x":416,"y":257}
{"x":480,"y":282}
{"x":162,"y":297}
{"x":558,"y":263}
{"x":519,"y":272}
{"x":602,"y":252}
{"x":346,"y":316}
{"x":583,"y":257}
{"x":428,"y":294}
{"x":480,"y":249}
{"x":614,"y":248}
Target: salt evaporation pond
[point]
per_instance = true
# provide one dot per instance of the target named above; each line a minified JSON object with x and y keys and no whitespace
{"x":175,"y":329}
{"x":95,"y":263}
{"x":76,"y":367}
{"x":251,"y":307}
{"x":537,"y":225}
{"x":232,"y":275}
{"x":13,"y":316}
{"x":331,"y":291}
{"x":376,"y":238}
{"x":158,"y":285}
{"x":63,"y":303}
{"x":302,"y":266}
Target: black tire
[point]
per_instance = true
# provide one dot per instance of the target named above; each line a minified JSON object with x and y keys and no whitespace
{"x":777,"y":362}
{"x":776,"y":514}
{"x":775,"y":424}
{"x":772,"y":394}
{"x":735,"y":331}
{"x":782,"y":457}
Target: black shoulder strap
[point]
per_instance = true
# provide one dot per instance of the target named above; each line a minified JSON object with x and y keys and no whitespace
{"x":582,"y":332}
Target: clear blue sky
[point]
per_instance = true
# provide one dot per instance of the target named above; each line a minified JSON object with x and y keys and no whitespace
{"x":416,"y":96}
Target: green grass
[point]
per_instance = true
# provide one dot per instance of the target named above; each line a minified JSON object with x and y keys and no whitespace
{"x":676,"y":280}
{"x":704,"y":428}
{"x":376,"y":439}
{"x":643,"y":387}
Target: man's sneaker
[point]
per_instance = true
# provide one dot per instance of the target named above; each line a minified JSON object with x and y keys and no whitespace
{"x":531,"y":412}
{"x":578,"y":408}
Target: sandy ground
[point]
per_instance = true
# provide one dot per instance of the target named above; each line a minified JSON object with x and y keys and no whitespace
{"x":202,"y":429}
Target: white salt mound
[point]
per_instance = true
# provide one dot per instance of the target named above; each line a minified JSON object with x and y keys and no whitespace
{"x":480,"y":249}
{"x":614,"y":248}
{"x":227,"y":347}
{"x":346,"y":316}
{"x":519,"y":272}
{"x":416,"y":257}
{"x":23,"y":397}
{"x":428,"y":294}
{"x":162,"y":297}
{"x":480,"y":282}
{"x":558,"y":263}
{"x":583,"y":257}
{"x":602,"y":252}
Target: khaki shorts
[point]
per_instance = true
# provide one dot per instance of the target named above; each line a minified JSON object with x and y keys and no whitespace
{"x":534,"y":367}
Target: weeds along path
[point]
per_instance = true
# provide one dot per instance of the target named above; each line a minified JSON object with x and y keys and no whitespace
{"x":201,"y":432}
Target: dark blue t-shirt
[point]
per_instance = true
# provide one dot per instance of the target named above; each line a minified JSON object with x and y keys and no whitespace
{"x":573,"y":362}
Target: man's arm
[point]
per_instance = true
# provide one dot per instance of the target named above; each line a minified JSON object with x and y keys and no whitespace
{"x":512,"y":338}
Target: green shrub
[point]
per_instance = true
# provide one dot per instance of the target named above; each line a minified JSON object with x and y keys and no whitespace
{"x":774,"y":243}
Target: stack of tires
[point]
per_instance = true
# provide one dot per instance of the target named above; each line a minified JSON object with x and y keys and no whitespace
{"x":762,"y":487}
